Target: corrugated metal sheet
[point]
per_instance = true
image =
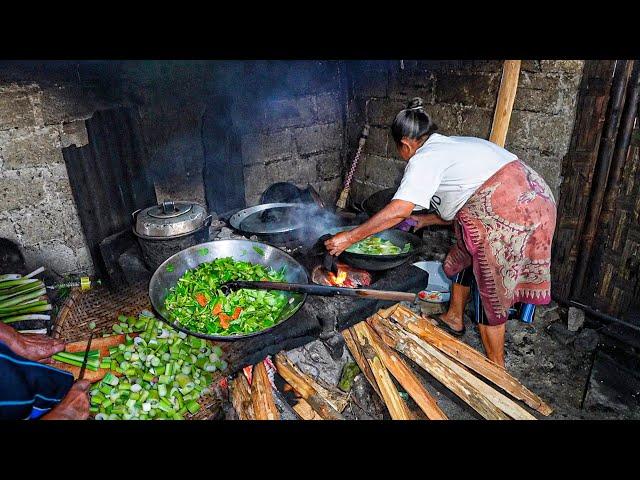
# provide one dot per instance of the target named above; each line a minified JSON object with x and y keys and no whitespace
{"x":109,"y":176}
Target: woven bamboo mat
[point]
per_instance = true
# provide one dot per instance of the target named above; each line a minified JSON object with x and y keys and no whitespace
{"x":102,"y":306}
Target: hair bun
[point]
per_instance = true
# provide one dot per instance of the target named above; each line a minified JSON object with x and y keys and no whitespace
{"x":415,"y":103}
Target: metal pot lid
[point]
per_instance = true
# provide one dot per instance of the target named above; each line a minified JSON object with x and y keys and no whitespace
{"x":170,"y":219}
{"x":269,"y":218}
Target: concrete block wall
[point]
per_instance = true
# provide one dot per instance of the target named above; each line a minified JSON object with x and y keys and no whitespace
{"x":36,"y":205}
{"x":296,"y":132}
{"x":461,"y":101}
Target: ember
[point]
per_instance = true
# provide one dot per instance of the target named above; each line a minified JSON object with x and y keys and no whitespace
{"x":347,"y":276}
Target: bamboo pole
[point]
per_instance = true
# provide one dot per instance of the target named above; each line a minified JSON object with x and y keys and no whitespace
{"x":305,"y":386}
{"x":264,"y":407}
{"x":504,"y":104}
{"x":392,"y":399}
{"x":405,"y":377}
{"x":469,"y":357}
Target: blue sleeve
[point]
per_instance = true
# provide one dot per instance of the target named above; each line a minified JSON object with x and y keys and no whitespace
{"x":29,"y":389}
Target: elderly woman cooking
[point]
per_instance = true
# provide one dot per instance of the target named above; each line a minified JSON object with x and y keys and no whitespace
{"x":503,"y":215}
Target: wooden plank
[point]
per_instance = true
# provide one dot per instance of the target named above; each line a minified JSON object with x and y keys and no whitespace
{"x":305,"y":386}
{"x":469,"y":357}
{"x":490,"y":394}
{"x":405,"y":376}
{"x":264,"y":406}
{"x":358,"y":356}
{"x":304,"y":410}
{"x":504,"y":105}
{"x":392,"y":399}
{"x":414,"y":348}
{"x":241,"y":397}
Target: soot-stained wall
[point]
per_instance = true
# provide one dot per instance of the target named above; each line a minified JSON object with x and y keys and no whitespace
{"x":461,"y":98}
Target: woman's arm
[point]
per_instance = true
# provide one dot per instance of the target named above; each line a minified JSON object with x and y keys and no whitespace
{"x":429,"y":219}
{"x":395,"y":212}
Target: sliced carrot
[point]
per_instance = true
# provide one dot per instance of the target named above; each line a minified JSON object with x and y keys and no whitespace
{"x":224,"y":320}
{"x":236,"y":312}
{"x":201,"y":299}
{"x":217,"y":309}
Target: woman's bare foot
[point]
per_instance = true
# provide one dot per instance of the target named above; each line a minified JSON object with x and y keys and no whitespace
{"x":455,"y":322}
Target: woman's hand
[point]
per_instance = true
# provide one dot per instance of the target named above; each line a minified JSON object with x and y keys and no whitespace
{"x":339,"y":243}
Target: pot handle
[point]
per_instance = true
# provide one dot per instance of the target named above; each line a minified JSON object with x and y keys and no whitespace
{"x":133,"y":214}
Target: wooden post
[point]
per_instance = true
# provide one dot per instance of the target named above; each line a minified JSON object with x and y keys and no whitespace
{"x":504,"y":105}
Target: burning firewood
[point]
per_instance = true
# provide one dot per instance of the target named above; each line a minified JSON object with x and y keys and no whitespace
{"x":348,"y":276}
{"x":241,"y":397}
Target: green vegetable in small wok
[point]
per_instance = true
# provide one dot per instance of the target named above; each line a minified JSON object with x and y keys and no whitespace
{"x":377,"y":246}
{"x":198,"y":304}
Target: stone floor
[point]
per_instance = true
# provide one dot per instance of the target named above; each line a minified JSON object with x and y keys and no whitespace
{"x":545,"y":356}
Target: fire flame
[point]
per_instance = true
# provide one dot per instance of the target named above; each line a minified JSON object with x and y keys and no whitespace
{"x":339,"y":279}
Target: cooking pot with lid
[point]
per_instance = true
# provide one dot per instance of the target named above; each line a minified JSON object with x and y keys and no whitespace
{"x":168,"y":228}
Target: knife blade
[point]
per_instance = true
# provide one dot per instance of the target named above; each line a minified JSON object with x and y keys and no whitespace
{"x":86,"y":358}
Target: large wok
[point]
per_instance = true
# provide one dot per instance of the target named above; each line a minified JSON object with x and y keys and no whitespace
{"x":381,"y":262}
{"x":162,"y":280}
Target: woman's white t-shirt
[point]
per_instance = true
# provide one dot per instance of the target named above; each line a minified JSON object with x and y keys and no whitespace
{"x":446,"y":171}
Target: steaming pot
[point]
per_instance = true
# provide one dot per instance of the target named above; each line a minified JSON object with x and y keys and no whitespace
{"x":168,"y":228}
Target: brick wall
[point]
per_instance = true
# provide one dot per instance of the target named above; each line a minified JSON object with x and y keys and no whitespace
{"x":36,"y":205}
{"x":461,"y":101}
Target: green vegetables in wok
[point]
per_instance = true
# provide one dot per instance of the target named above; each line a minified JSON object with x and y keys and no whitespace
{"x":377,"y":246}
{"x":198,"y":304}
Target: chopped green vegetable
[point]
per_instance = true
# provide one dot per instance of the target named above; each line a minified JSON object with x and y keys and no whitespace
{"x":259,"y":251}
{"x":170,"y":268}
{"x":377,"y":246}
{"x":203,"y":251}
{"x":198,"y":304}
{"x":92,"y":325}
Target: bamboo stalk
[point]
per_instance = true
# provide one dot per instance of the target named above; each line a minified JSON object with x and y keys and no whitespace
{"x":422,"y":354}
{"x":392,"y":399}
{"x":358,"y":356}
{"x":305,"y":386}
{"x":264,"y":406}
{"x":241,"y":397}
{"x":469,"y":357}
{"x":405,"y":376}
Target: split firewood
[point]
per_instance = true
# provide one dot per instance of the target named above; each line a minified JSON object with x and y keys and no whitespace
{"x":504,"y":403}
{"x":405,"y":376}
{"x":392,"y":399}
{"x":422,"y":354}
{"x":264,"y":406}
{"x":241,"y":397}
{"x":356,"y":353}
{"x":305,"y":386}
{"x":469,"y":357}
{"x":304,"y":410}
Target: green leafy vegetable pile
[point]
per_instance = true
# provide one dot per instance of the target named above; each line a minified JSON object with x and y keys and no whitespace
{"x":199,"y":305}
{"x":377,"y":246}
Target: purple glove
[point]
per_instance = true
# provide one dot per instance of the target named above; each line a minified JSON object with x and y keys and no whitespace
{"x":407,"y":225}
